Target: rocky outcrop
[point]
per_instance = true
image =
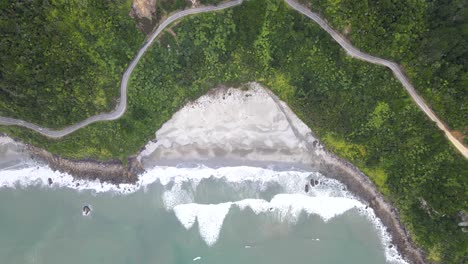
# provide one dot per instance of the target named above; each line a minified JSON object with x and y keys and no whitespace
{"x":360,"y":185}
{"x":86,"y":210}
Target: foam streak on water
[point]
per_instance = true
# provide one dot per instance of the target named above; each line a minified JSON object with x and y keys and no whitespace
{"x":285,"y":207}
{"x":328,"y":199}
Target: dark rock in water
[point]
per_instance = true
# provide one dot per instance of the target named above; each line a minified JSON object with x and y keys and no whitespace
{"x":367,"y":206}
{"x":314,"y":182}
{"x":306,"y":189}
{"x":49,"y":180}
{"x":390,"y":246}
{"x":77,"y":184}
{"x":271,"y":209}
{"x":86,"y":210}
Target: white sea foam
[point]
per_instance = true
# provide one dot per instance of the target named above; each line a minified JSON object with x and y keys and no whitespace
{"x":38,"y":175}
{"x":391,"y":253}
{"x":327,"y":200}
{"x":210,"y":218}
{"x":284,"y":207}
{"x":187,"y":214}
{"x":238,"y":177}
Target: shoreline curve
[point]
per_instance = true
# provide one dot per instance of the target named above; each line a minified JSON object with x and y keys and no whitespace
{"x":345,"y":44}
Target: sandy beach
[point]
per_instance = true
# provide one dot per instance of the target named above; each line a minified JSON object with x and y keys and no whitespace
{"x":233,"y":127}
{"x":230,"y":126}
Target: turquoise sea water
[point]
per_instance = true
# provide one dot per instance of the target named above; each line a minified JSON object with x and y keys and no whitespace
{"x":41,"y":224}
{"x":183,"y":215}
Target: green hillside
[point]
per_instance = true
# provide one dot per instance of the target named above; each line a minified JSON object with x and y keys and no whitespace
{"x":61,"y":61}
{"x":359,"y":110}
{"x":428,"y":38}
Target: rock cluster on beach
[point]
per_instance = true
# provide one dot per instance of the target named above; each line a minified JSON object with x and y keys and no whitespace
{"x":112,"y":171}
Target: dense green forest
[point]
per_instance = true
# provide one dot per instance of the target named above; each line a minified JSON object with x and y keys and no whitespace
{"x":429,"y":38}
{"x":359,"y":110}
{"x":61,"y":61}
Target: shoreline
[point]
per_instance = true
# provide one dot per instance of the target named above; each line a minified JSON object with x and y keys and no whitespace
{"x":113,"y":172}
{"x":363,"y":188}
{"x":253,"y":128}
{"x":330,"y":165}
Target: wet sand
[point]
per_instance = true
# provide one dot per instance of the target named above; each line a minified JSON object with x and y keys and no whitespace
{"x":237,"y":127}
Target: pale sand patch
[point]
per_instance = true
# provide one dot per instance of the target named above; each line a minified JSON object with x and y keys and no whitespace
{"x":233,"y":124}
{"x":254,"y":126}
{"x":144,"y":8}
{"x":12,"y":154}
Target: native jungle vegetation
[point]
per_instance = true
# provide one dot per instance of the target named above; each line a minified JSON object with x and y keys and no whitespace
{"x":61,"y":61}
{"x":359,"y":110}
{"x":428,"y":38}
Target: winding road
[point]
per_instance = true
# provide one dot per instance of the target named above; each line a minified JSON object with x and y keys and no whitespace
{"x":122,"y":103}
{"x":350,"y":49}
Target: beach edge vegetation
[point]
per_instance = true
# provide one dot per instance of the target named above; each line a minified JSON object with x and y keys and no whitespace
{"x":359,"y":110}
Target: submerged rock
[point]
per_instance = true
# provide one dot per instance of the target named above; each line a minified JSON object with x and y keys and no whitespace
{"x":86,"y":210}
{"x":49,"y":180}
{"x":306,"y":189}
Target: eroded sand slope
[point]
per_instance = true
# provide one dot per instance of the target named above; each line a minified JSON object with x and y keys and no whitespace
{"x":233,"y":124}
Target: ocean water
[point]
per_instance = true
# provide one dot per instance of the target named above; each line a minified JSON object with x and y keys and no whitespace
{"x":186,"y":215}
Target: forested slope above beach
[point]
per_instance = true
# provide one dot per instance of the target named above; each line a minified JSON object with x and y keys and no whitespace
{"x":359,"y":110}
{"x":61,"y":61}
{"x":428,"y":38}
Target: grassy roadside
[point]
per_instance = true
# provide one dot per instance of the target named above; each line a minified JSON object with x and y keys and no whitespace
{"x":359,"y":110}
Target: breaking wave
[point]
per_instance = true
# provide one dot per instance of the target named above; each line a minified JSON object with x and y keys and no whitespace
{"x":325,"y":197}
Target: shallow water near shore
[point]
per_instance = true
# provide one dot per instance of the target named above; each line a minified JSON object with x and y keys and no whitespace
{"x":188,"y":215}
